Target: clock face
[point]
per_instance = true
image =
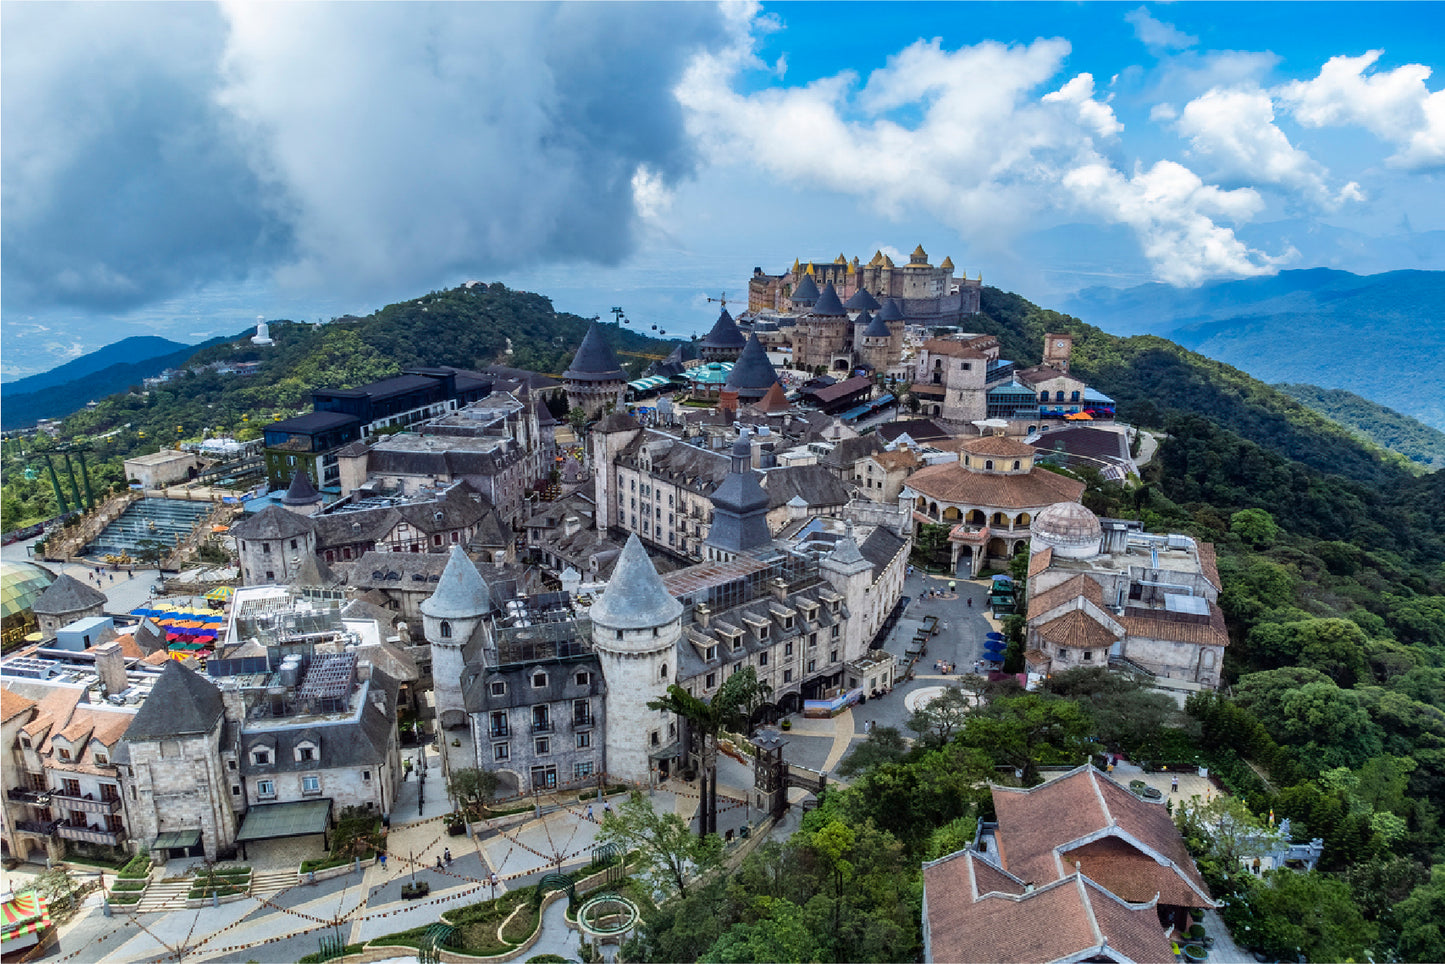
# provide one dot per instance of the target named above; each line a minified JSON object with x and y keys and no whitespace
{"x":1058,"y":344}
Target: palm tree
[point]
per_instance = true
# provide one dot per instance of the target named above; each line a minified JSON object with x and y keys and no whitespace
{"x":736,"y":700}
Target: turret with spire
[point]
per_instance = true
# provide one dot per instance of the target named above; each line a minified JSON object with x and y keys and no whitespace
{"x":452,"y":616}
{"x":594,"y":378}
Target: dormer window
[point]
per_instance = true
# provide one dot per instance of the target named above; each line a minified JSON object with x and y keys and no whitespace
{"x":63,"y":752}
{"x":539,"y":681}
{"x":261,"y":757}
{"x":499,"y":688}
{"x":446,"y":629}
{"x":584,"y":678}
{"x":306,"y":752}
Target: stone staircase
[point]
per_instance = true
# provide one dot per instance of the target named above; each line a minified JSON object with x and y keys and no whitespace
{"x":165,"y":895}
{"x":269,"y":885}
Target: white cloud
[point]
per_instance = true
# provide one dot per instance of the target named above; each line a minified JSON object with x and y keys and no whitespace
{"x":1156,"y":34}
{"x":1172,"y":212}
{"x":965,"y":137}
{"x":1235,"y":128}
{"x":1395,"y":105}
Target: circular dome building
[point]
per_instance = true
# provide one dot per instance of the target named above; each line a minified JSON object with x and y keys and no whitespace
{"x":21,"y":583}
{"x":1071,"y":530}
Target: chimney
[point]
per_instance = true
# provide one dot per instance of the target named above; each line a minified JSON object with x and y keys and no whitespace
{"x":110,"y":664}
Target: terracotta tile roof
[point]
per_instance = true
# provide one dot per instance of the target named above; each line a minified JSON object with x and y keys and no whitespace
{"x":898,"y":458}
{"x":952,"y":349}
{"x":1065,"y":591}
{"x":1208,"y":564}
{"x":157,"y":658}
{"x":1036,"y":489}
{"x":998,"y":446}
{"x":1040,"y":561}
{"x":1158,"y":624}
{"x":1114,"y":863}
{"x":53,"y":710}
{"x":1071,"y":918}
{"x":1077,"y":628}
{"x":129,"y":648}
{"x":12,"y":704}
{"x":1042,"y":373}
{"x":1044,"y":827}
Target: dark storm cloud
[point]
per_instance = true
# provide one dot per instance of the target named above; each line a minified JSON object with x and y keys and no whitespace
{"x":357,"y":149}
{"x":122,"y":181}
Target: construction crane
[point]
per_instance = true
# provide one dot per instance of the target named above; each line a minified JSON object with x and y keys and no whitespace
{"x":722,"y":301}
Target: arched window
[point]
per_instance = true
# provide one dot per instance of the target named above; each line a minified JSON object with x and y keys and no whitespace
{"x":662,"y":671}
{"x":1058,"y":396}
{"x":1043,"y":396}
{"x":1074,"y":396}
{"x":1017,"y":464}
{"x":988,"y":464}
{"x":446,"y":630}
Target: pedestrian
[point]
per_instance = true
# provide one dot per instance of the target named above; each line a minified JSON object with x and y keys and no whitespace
{"x":589,"y":811}
{"x":447,"y":855}
{"x":439,"y":863}
{"x":970,"y":602}
{"x":952,"y":585}
{"x":1174,"y":785}
{"x":381,"y":856}
{"x":606,"y":807}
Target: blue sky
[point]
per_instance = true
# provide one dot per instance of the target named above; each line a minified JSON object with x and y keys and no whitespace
{"x":183,"y":168}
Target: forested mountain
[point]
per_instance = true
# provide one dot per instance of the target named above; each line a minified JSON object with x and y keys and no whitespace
{"x":464,"y":327}
{"x":1318,"y":326}
{"x":68,"y":388}
{"x":1384,"y":426}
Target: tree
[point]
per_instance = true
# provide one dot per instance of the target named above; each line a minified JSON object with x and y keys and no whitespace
{"x":671,"y":855}
{"x":1224,"y":830}
{"x":1028,"y":730}
{"x":1421,"y":918}
{"x":937,"y":720}
{"x":884,"y":745}
{"x":780,"y":932}
{"x":1256,"y":528}
{"x":736,"y":700}
{"x":472,"y":787}
{"x":1312,"y":914}
{"x":577,"y":416}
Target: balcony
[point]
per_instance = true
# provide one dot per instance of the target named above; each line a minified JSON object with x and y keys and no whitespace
{"x":113,"y":838}
{"x":43,"y":827}
{"x":500,"y":733}
{"x":87,"y":803}
{"x":542,"y":726}
{"x":584,"y":722}
{"x":40,"y":798}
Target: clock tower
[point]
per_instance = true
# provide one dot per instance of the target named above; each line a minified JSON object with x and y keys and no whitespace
{"x":1057,"y":347}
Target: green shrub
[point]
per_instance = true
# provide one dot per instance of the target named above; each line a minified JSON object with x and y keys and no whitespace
{"x":129,"y":885}
{"x":126,"y":898}
{"x":137,"y":867}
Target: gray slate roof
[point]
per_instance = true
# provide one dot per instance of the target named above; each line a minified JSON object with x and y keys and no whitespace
{"x":891,"y":311}
{"x":340,"y":743}
{"x":806,"y":292}
{"x":67,"y":595}
{"x":753,"y":371}
{"x":815,"y":484}
{"x":460,"y":594}
{"x":272,"y":522}
{"x":635,"y":597}
{"x":182,"y":703}
{"x":724,"y":333}
{"x":828,"y":303}
{"x":880,"y":547}
{"x":877,"y":327}
{"x":862,"y":300}
{"x":301,"y":492}
{"x":561,"y":686}
{"x":594,"y":361}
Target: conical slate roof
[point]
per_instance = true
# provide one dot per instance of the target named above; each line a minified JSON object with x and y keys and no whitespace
{"x":594,"y":361}
{"x":272,"y":522}
{"x":635,"y":597}
{"x":806,"y":293}
{"x":877,"y":327}
{"x":828,"y":303}
{"x":67,"y":595}
{"x":845,"y":551}
{"x":460,"y":594}
{"x":890,"y":310}
{"x":182,"y":703}
{"x":301,"y":492}
{"x":724,"y":333}
{"x":862,"y":300}
{"x":752,"y":370}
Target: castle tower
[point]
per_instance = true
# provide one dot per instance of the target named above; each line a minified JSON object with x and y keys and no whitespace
{"x":451,"y":617}
{"x":850,"y":575}
{"x":891,"y":314}
{"x":302,"y":497}
{"x":636,"y":626}
{"x":739,"y":509}
{"x":724,"y":343}
{"x":272,"y":545}
{"x":609,"y":437}
{"x":594,"y":378}
{"x":874,"y":342}
{"x":1057,"y":348}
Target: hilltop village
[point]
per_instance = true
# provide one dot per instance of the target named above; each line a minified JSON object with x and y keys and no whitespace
{"x":530,"y":584}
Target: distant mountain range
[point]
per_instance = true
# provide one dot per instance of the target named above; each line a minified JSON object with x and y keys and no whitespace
{"x":1379,"y":336}
{"x":1384,"y":426}
{"x":105,"y":371}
